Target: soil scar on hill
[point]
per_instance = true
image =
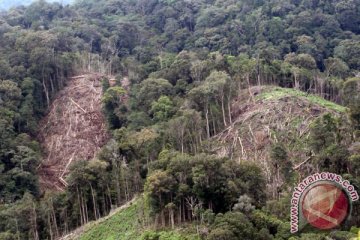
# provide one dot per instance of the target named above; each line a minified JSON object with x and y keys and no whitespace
{"x":74,"y":129}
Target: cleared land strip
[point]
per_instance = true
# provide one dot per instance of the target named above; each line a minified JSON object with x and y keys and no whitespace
{"x":74,"y":129}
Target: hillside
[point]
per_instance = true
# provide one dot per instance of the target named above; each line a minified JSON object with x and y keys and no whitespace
{"x":214,"y":111}
{"x":126,"y":223}
{"x":73,"y":130}
{"x":275,"y":115}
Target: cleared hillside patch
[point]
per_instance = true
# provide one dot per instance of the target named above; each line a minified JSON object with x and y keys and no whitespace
{"x":277,"y":115}
{"x":74,"y":129}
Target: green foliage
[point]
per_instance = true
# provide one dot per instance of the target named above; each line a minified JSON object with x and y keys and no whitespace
{"x":302,"y":60}
{"x":325,"y":142}
{"x":151,"y":90}
{"x":166,"y":235}
{"x":312,"y":236}
{"x":323,"y":133}
{"x":342,"y":235}
{"x":113,"y":106}
{"x":162,"y":109}
{"x":198,"y":180}
{"x":336,"y":67}
{"x":278,"y":93}
{"x":112,"y":95}
{"x":232,"y":226}
{"x":280,"y":161}
{"x":123,"y":225}
{"x":352,"y":99}
{"x":244,"y":204}
{"x":349,"y":52}
{"x":186,"y":61}
{"x":12,"y":219}
{"x":127,"y":224}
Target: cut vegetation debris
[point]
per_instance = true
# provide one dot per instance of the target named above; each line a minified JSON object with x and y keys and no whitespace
{"x":74,"y":129}
{"x":276,"y":115}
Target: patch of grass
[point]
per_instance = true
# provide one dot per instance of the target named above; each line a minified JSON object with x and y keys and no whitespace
{"x":168,"y":235}
{"x":278,"y":93}
{"x":126,"y":225}
{"x":122,"y":225}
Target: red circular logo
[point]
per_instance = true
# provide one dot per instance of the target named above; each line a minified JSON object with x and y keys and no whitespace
{"x":325,"y":206}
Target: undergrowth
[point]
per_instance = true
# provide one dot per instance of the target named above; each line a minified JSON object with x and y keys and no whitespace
{"x":275,"y":93}
{"x":126,"y":225}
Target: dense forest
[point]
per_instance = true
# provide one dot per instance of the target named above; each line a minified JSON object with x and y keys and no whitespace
{"x":188,"y":63}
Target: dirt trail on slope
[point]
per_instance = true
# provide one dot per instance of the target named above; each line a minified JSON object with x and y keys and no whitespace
{"x":74,"y":129}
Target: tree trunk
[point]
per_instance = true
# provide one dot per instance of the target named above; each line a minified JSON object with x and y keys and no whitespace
{"x":249,"y":87}
{"x":213,"y":122}
{"x":80,"y":207}
{"x":36,"y":233}
{"x":162,"y":216}
{"x":46,"y":92}
{"x":229,"y":109}
{"x":223,"y":109}
{"x":52,"y":86}
{"x":172,"y":219}
{"x":50,"y":228}
{"x":117,"y":182}
{"x":54,"y":219}
{"x":182,"y":133}
{"x":207,"y":121}
{"x":179,"y":213}
{"x":94,"y":202}
{"x":109,"y":195}
{"x":297,"y":84}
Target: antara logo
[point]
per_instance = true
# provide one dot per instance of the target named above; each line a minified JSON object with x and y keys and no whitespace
{"x":322,"y":200}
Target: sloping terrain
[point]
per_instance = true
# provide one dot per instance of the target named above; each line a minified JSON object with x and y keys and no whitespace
{"x":123,"y":212}
{"x":74,"y":129}
{"x":273,"y":115}
{"x":126,"y":223}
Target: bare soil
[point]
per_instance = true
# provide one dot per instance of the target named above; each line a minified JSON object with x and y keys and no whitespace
{"x":73,"y":130}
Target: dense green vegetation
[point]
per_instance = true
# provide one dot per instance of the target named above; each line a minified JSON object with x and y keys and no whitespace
{"x":126,"y":224}
{"x":187,"y":62}
{"x":122,"y":225}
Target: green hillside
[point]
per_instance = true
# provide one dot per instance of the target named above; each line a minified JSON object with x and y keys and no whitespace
{"x":214,"y":110}
{"x":272,"y":107}
{"x":127,"y":224}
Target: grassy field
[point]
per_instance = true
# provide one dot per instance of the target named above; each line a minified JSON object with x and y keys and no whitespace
{"x":126,"y":225}
{"x":122,"y":225}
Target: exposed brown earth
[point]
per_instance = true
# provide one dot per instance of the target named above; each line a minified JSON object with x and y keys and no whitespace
{"x":74,"y":129}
